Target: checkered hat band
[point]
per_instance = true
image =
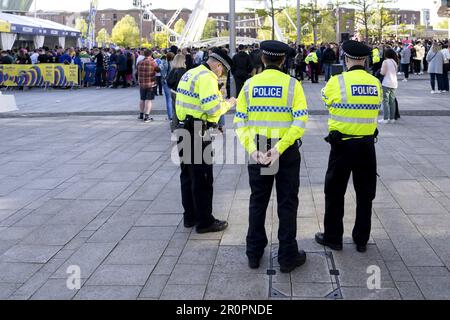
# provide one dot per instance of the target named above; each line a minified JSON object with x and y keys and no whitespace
{"x":268,"y":53}
{"x":354,"y":58}
{"x":221,"y":60}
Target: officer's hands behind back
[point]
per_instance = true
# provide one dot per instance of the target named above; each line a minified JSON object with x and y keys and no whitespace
{"x":266,"y":159}
{"x":232,"y":101}
{"x":271,"y":157}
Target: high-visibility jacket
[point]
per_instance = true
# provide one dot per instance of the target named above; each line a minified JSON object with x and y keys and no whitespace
{"x":312,"y":57}
{"x":376,"y":56}
{"x":353,"y":100}
{"x":198,"y":95}
{"x":271,"y":104}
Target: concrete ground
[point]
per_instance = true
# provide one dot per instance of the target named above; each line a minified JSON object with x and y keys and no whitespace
{"x":102,"y":193}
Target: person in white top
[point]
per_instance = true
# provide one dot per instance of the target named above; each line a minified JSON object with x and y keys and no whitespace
{"x":445,"y":81}
{"x":418,"y":59}
{"x":390,"y":85}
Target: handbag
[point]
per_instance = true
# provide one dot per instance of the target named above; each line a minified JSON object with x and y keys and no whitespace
{"x":397,"y":110}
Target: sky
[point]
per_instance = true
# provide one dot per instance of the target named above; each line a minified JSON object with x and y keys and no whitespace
{"x":80,"y":5}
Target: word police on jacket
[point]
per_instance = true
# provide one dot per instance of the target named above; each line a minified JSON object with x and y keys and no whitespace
{"x":365,"y":90}
{"x":267,"y":92}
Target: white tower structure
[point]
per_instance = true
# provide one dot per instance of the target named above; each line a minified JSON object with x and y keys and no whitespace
{"x":196,"y":24}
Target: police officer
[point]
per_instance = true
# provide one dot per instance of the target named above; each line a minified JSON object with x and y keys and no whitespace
{"x":353,"y":100}
{"x":376,"y":60}
{"x":270,"y":121}
{"x":199,"y":106}
{"x":313,"y":60}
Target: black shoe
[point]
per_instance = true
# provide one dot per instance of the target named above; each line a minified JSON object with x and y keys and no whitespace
{"x":253,"y":263}
{"x":189,"y":225}
{"x":299,"y":260}
{"x":361,"y":248}
{"x":217,"y":226}
{"x":320,"y":240}
{"x":141,"y":117}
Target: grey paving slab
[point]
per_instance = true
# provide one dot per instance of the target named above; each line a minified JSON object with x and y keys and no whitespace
{"x":159,"y":220}
{"x":154,"y":286}
{"x":105,"y":191}
{"x":6,"y":290}
{"x":150,"y":233}
{"x":17,"y":272}
{"x":103,"y":196}
{"x":108,"y":293}
{"x":237,"y":286}
{"x":190,"y":274}
{"x":121,"y":275}
{"x":165,"y":265}
{"x":30,"y":254}
{"x":88,"y":257}
{"x":111,"y":232}
{"x":409,"y":291}
{"x":53,"y":235}
{"x":180,"y":292}
{"x":199,"y":252}
{"x":138,"y":252}
{"x":351,"y":293}
{"x":54,"y":289}
{"x":434,"y":287}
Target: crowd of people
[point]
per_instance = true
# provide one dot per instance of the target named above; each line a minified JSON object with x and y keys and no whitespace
{"x":116,"y":67}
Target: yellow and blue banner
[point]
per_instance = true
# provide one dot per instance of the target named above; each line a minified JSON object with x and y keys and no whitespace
{"x":53,"y":75}
{"x":5,"y":26}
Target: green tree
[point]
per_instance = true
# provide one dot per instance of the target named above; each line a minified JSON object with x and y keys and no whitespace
{"x":81,"y":25}
{"x":210,"y":30}
{"x":270,"y":13}
{"x":161,"y":40}
{"x":365,"y":10}
{"x":103,"y":37}
{"x":179,"y":26}
{"x":126,"y":32}
{"x":383,"y":18}
{"x":442,"y":25}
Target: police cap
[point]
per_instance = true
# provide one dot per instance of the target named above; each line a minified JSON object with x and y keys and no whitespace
{"x":273,"y":48}
{"x":222,"y":56}
{"x":356,"y":50}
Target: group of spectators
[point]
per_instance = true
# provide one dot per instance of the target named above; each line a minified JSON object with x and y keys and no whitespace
{"x":119,"y":66}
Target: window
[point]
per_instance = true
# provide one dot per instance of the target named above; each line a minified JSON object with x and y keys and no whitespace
{"x":172,"y":39}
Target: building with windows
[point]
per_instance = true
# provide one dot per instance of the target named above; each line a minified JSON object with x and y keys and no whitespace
{"x":15,"y":6}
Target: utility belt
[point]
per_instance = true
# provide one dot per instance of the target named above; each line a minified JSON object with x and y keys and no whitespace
{"x":189,"y":124}
{"x":335,"y":137}
{"x":264,"y":142}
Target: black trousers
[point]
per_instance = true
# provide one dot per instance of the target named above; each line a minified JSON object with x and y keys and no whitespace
{"x":287,"y":185}
{"x":315,"y":70}
{"x":196,"y":180}
{"x":121,"y":75}
{"x":239,"y":84}
{"x":357,"y":157}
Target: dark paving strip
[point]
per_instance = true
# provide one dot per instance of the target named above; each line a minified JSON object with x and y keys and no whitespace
{"x":411,"y":113}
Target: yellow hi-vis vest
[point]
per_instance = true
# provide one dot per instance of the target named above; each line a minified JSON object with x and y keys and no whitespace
{"x":376,"y":56}
{"x":198,"y":95}
{"x":354,"y":100}
{"x":271,"y":104}
{"x":312,"y":57}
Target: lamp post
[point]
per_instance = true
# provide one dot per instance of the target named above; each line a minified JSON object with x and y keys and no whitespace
{"x":232,"y":43}
{"x":299,"y":25}
{"x":141,"y":6}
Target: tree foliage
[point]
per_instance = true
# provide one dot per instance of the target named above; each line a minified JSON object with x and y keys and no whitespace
{"x":161,"y":40}
{"x":82,"y":26}
{"x":210,"y":30}
{"x":126,"y":32}
{"x":103,"y":37}
{"x":179,"y":26}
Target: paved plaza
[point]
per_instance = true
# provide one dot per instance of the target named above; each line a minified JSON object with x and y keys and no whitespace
{"x":101,"y":192}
